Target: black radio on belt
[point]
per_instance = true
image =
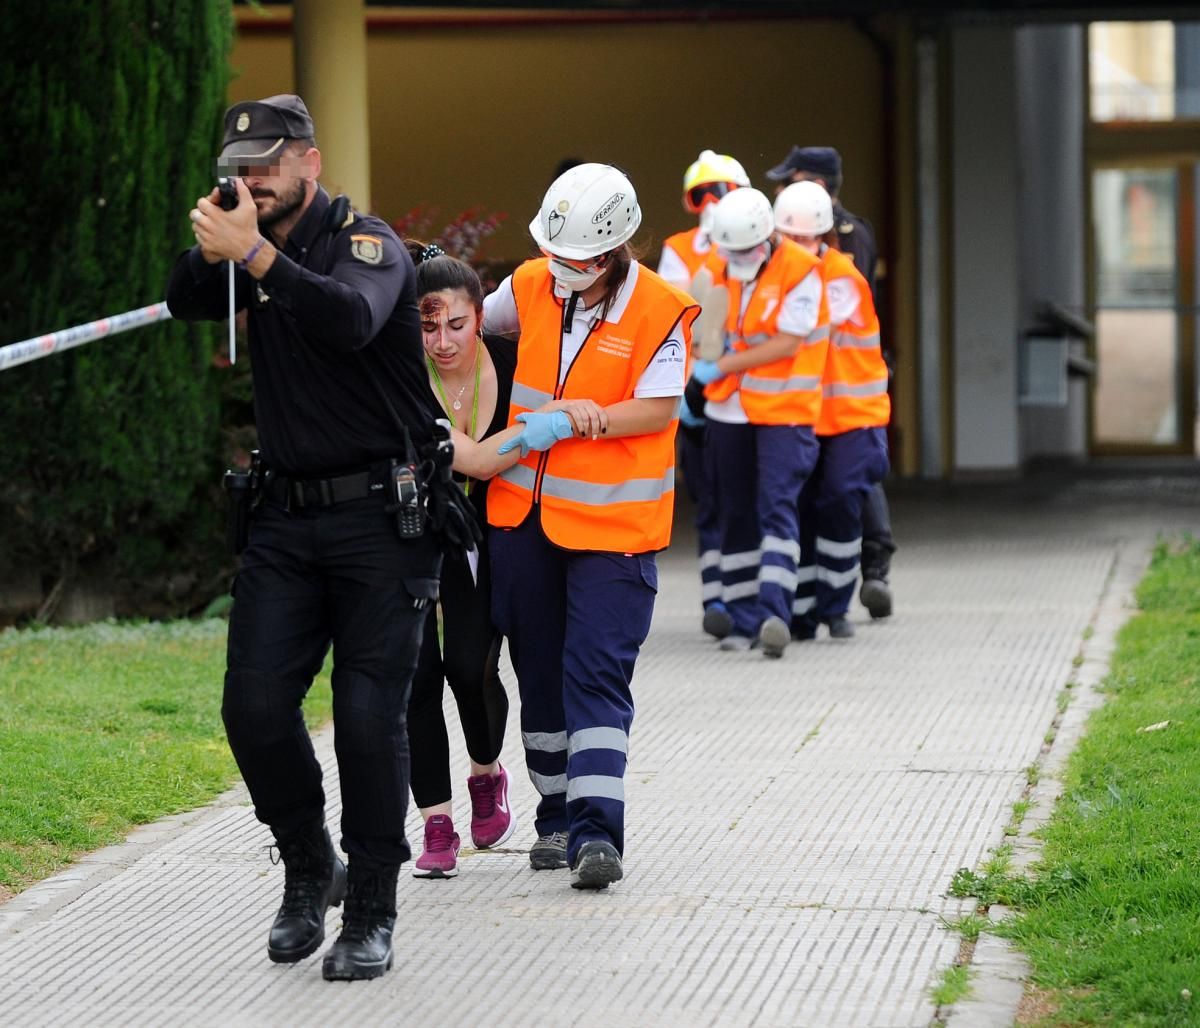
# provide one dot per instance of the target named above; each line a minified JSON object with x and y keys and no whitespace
{"x":407,"y":503}
{"x":244,"y":489}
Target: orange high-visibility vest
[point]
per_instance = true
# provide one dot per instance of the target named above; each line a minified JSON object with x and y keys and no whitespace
{"x":785,"y":391}
{"x":684,"y":246}
{"x":611,"y":495}
{"x":855,"y":386}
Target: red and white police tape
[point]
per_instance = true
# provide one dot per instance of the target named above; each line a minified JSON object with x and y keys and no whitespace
{"x":42,"y":346}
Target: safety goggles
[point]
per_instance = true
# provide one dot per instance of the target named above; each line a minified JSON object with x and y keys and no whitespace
{"x":699,"y":195}
{"x":584,"y":266}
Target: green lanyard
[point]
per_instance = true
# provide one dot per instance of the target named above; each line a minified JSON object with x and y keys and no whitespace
{"x":437,"y":381}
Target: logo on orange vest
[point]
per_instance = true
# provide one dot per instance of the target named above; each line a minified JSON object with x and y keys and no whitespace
{"x":610,"y":205}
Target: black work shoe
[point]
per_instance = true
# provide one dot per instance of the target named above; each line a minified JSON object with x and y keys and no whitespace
{"x":597,"y":866}
{"x":549,"y":853}
{"x":364,"y":947}
{"x":840,"y":628}
{"x":876,"y":596}
{"x":314,"y":880}
{"x":804,"y":628}
{"x":717,"y":621}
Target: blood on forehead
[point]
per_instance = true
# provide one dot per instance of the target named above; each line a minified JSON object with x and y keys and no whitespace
{"x":431,"y":306}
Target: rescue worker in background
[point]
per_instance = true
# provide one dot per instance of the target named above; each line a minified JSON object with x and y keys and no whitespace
{"x":332,"y":321}
{"x":764,"y":397}
{"x":710,"y":177}
{"x":852,"y":428}
{"x":856,"y":238}
{"x":575,"y":529}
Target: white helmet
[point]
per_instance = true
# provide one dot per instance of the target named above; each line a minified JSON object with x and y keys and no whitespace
{"x":587,"y":211}
{"x":804,"y":209}
{"x":742,"y":219}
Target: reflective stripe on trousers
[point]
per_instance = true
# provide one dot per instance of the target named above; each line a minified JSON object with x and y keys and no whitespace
{"x":575,"y":622}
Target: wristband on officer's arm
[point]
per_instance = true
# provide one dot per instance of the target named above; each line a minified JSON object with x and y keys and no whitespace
{"x":245,"y":261}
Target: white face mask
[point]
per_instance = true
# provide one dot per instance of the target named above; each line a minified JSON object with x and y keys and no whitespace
{"x":568,"y":280}
{"x":743,"y":265}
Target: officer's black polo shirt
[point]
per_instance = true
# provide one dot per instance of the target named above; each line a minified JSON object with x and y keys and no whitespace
{"x":857,"y":238}
{"x":336,"y":308}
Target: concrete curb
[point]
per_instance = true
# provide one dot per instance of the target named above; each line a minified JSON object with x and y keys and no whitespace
{"x":999,"y":972}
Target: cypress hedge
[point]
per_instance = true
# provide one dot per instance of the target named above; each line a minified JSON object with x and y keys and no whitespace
{"x":112,"y":119}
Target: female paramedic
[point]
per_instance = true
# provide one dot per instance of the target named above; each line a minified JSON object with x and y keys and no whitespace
{"x":764,"y":396}
{"x":577,"y":520}
{"x":852,"y":429}
{"x":472,"y":379}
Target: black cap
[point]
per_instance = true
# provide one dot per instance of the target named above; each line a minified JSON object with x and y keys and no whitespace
{"x":823,"y":161}
{"x":257,"y":129}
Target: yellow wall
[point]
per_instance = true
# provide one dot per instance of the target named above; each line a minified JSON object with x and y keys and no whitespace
{"x":481,"y":115}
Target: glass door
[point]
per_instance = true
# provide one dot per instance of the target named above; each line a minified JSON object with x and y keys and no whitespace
{"x":1144,"y":269}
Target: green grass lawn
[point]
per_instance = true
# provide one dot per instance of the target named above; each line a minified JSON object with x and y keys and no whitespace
{"x":1111,"y":917}
{"x":106,"y":727}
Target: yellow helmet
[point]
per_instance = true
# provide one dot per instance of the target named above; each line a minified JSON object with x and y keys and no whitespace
{"x":718,"y":172}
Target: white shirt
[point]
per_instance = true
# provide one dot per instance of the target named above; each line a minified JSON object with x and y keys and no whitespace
{"x":843,"y":298}
{"x":664,"y":376}
{"x":672,"y":267}
{"x":798,"y":316}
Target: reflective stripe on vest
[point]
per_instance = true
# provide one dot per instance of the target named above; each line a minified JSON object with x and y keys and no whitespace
{"x":876,"y":388}
{"x":530,"y":399}
{"x":786,"y":391}
{"x":595,"y":494}
{"x":843,"y":338}
{"x":609,"y":495}
{"x":778,"y":385}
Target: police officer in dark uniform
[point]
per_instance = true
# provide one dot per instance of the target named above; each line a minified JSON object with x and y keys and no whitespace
{"x":823,"y":164}
{"x":342,"y":404}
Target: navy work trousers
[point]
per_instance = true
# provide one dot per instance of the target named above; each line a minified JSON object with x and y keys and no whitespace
{"x":310,"y":578}
{"x":831,"y":526}
{"x":575,"y":622}
{"x":759,"y":471}
{"x":695,"y":460}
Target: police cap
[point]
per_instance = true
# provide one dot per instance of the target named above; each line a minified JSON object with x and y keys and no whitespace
{"x":822,"y":161}
{"x":258,"y":129}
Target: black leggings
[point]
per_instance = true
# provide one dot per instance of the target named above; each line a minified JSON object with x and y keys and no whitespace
{"x":468,"y":659}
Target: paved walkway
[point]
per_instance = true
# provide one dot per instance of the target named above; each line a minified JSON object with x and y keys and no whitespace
{"x":793,"y":825}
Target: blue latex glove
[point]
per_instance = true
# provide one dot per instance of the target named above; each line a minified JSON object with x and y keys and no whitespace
{"x":706,"y":371}
{"x":688,"y":418}
{"x":541,"y":431}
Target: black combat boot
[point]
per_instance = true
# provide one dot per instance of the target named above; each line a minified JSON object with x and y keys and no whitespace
{"x":314,"y":881}
{"x":876,"y":593}
{"x":364,"y":949}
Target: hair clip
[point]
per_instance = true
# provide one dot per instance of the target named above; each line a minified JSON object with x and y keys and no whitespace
{"x":431,"y":251}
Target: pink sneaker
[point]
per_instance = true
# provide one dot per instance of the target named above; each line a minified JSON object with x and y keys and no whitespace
{"x":491,"y":820}
{"x":440,"y":858}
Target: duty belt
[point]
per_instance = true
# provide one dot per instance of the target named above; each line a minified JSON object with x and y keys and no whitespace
{"x":295,"y":493}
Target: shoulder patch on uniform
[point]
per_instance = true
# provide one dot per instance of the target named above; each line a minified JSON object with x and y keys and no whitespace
{"x":368,"y":249}
{"x":349,"y":219}
{"x":846,"y":227}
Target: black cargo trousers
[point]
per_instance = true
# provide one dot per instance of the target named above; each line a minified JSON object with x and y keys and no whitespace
{"x":311,"y":578}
